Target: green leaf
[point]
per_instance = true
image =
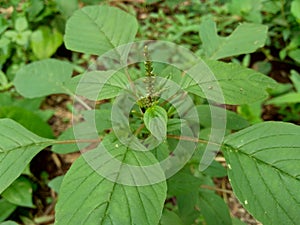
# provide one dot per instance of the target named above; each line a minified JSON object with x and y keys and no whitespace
{"x":55,"y":183}
{"x":110,"y":83}
{"x":156,"y":119}
{"x":6,"y":208}
{"x":42,"y":78}
{"x":28,"y":119}
{"x":247,"y":9}
{"x":295,"y":9}
{"x":295,"y":78}
{"x":67,"y":8}
{"x":21,"y":24}
{"x":9,"y":223}
{"x":239,"y":85}
{"x":45,"y":42}
{"x":264,"y":165}
{"x":288,"y":98}
{"x":17,"y":147}
{"x":246,"y":38}
{"x":19,"y":193}
{"x":233,"y":120}
{"x":98,"y":29}
{"x":34,"y":9}
{"x":102,"y":118}
{"x":101,"y":201}
{"x":182,"y":183}
{"x":170,"y":218}
{"x":295,"y":55}
{"x":214,"y":209}
{"x":188,"y":207}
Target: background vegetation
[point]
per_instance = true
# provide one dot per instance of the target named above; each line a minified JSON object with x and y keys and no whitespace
{"x":32,"y":30}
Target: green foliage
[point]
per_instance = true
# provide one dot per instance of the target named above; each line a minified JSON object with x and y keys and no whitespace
{"x":248,"y":37}
{"x":17,"y":147}
{"x":232,"y":78}
{"x":104,"y":201}
{"x":19,"y":193}
{"x":103,"y":186}
{"x":7,"y":208}
{"x":155,"y":119}
{"x":263,"y":162}
{"x":289,"y":102}
{"x":43,"y":78}
{"x":44,"y":42}
{"x":97,"y":29}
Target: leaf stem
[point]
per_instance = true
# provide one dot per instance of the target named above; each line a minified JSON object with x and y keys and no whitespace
{"x":185,"y":138}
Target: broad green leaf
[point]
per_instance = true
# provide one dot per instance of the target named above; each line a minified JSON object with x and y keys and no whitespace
{"x":170,"y":218}
{"x":19,"y":193}
{"x":109,"y":82}
{"x":214,"y":209}
{"x":6,"y":208}
{"x":101,"y":201}
{"x":156,"y":119}
{"x":288,"y":98}
{"x":233,"y":121}
{"x":17,"y":147}
{"x":45,"y":41}
{"x":239,"y":85}
{"x":42,"y":78}
{"x":264,"y":165}
{"x":28,"y":119}
{"x":98,"y":29}
{"x":246,"y":38}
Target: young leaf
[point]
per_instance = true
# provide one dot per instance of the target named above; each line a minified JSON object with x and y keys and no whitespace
{"x":98,"y":29}
{"x":101,"y":201}
{"x":17,"y":147}
{"x":246,"y":38}
{"x":156,"y":119}
{"x":45,"y":41}
{"x":239,"y":85}
{"x":264,"y":165}
{"x":43,"y":78}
